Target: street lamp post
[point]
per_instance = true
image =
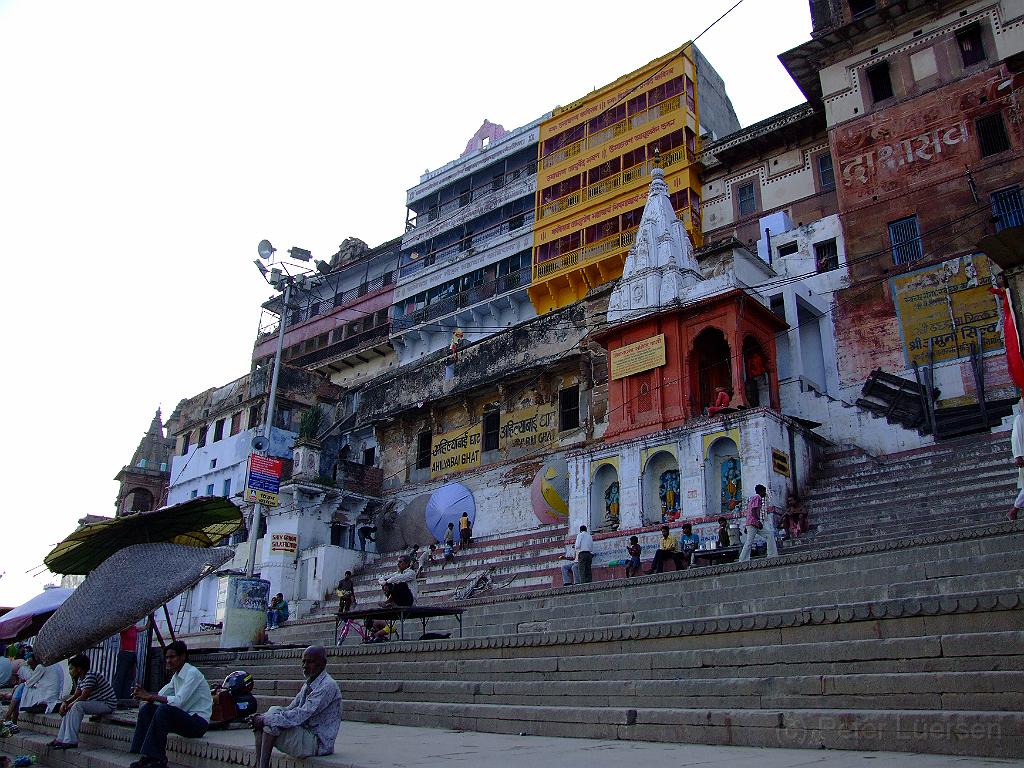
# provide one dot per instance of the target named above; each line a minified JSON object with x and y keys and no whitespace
{"x":268,"y":423}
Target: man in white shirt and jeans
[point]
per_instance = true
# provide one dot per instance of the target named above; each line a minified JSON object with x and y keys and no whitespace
{"x":183,"y":706}
{"x":584,"y":554}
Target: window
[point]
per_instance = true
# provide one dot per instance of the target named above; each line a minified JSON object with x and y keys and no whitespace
{"x":369,"y":456}
{"x":1008,"y":205}
{"x":284,"y":419}
{"x":880,"y":81}
{"x":338,"y":534}
{"x":826,"y":176}
{"x":747,"y":199}
{"x":992,"y":134}
{"x":492,"y":421}
{"x":236,"y":423}
{"x":254,"y":416}
{"x":423,"y":450}
{"x":184,"y":442}
{"x":227,"y":487}
{"x":972,"y":49}
{"x":218,"y":430}
{"x":905,"y":237}
{"x":213,"y":463}
{"x":826,"y":255}
{"x":788,"y":248}
{"x":193,"y":494}
{"x":861,"y":7}
{"x":569,"y":408}
{"x":202,"y":436}
{"x":209,"y":489}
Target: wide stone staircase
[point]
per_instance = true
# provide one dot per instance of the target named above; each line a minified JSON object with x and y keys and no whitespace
{"x":895,"y":623}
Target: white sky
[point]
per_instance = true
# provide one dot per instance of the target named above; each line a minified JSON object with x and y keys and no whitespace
{"x":147,"y":147}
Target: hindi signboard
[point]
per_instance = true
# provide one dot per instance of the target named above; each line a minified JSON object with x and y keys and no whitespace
{"x":456,"y":450}
{"x":263,"y":482}
{"x":638,"y":357}
{"x":529,"y":428}
{"x":947,"y":305}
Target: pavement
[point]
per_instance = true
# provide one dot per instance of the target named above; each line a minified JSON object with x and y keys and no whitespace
{"x":368,"y":745}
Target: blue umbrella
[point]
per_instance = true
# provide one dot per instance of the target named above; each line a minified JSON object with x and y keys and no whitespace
{"x":446,"y":505}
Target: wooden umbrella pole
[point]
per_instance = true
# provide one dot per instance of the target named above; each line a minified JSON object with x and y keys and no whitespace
{"x":155,"y":628}
{"x":170,"y":627}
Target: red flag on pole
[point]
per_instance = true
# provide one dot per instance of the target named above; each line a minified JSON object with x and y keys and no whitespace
{"x":1014,"y":362}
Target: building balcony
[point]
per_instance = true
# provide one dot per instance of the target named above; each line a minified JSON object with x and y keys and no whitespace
{"x":457,"y":307}
{"x":567,"y":277}
{"x":470,"y":246}
{"x":613,"y":183}
{"x":360,"y":478}
{"x":315,"y":306}
{"x":351,"y":352}
{"x":503,"y":189}
{"x":606,"y":134}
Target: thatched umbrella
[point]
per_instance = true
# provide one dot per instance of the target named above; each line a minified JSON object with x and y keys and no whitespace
{"x":201,"y":522}
{"x":127,"y":586}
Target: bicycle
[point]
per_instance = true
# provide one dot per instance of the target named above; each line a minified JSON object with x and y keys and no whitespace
{"x":481,"y":582}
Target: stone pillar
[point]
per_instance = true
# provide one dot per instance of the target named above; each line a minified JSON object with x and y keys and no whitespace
{"x":306,"y":460}
{"x":245,"y":611}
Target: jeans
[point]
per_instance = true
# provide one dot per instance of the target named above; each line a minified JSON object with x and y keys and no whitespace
{"x":156,"y":721}
{"x":124,"y":674}
{"x":585,"y":559}
{"x":661,"y":555}
{"x":767,"y":533}
{"x":272,"y":618}
{"x":570,"y":568}
{"x":68,"y":731}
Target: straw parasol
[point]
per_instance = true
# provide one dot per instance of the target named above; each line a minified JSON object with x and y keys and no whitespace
{"x":201,"y":522}
{"x":126,"y":587}
{"x":25,"y":620}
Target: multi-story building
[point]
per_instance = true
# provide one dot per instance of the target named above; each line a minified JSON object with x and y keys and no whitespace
{"x":214,"y":430}
{"x":922,"y":106}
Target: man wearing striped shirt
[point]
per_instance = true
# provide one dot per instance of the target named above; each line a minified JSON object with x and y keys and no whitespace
{"x":92,"y":695}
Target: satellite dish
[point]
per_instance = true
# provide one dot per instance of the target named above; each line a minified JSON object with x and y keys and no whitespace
{"x":266,"y":250}
{"x":260,"y":443}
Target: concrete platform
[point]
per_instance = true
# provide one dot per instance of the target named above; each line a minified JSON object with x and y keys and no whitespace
{"x":365,"y":745}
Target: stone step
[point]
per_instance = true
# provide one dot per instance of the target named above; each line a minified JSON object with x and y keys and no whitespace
{"x":986,"y":734}
{"x":893,"y":525}
{"x":965,"y":446}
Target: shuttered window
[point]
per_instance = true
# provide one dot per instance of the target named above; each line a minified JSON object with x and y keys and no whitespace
{"x":992,"y":134}
{"x":1008,"y":206}
{"x":905,"y":237}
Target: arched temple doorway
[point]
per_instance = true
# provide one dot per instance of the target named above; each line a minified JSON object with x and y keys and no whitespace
{"x":604,"y":499}
{"x":710,"y":367}
{"x":756,"y":390}
{"x":723,"y":478}
{"x":661,"y":489}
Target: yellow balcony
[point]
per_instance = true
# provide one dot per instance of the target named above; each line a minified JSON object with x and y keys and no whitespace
{"x":563,"y":154}
{"x":584,"y":255}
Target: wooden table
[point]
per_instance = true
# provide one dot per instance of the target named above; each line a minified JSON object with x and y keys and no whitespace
{"x":421,"y":612}
{"x":716,"y":556}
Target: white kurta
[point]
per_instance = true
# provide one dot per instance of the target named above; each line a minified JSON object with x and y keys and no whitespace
{"x":44,"y":684}
{"x":1017,"y":445}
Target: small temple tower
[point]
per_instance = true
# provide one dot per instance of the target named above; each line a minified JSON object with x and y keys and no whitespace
{"x":144,"y":481}
{"x":694,"y":418}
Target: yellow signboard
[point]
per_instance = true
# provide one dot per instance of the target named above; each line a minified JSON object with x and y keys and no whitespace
{"x":456,"y":450}
{"x":640,"y":356}
{"x":949,"y":307}
{"x":529,"y":428}
{"x":780,"y":462}
{"x":262,"y":497}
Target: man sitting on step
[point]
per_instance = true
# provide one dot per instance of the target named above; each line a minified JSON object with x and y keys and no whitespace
{"x":400,"y":587}
{"x":183,"y":706}
{"x":309,"y":725}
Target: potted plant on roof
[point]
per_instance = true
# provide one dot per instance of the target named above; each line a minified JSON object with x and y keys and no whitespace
{"x":306,"y":451}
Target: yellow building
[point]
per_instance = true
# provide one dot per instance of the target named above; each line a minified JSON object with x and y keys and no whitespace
{"x":594,"y":158}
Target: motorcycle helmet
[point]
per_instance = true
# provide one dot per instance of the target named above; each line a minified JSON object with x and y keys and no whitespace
{"x":239,"y":682}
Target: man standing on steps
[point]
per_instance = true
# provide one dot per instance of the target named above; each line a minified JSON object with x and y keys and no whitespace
{"x":309,"y":725}
{"x":759,"y":522}
{"x":183,"y":706}
{"x":1017,"y":446}
{"x":584,"y":554}
{"x":465,"y":531}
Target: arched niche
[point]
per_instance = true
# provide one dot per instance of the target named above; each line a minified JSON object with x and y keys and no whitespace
{"x":662,"y":502}
{"x":710,"y":367}
{"x":756,"y":389}
{"x":604,"y":499}
{"x":723,"y":478}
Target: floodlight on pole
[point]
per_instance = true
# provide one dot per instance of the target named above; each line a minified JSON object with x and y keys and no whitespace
{"x":265,"y":250}
{"x":299,"y":254}
{"x":259,"y":265}
{"x":322,"y":267}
